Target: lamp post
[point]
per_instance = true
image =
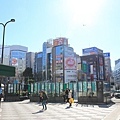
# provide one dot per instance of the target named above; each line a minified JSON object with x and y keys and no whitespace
{"x":4,"y":25}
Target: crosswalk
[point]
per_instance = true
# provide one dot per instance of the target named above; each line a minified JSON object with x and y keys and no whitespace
{"x":25,"y":110}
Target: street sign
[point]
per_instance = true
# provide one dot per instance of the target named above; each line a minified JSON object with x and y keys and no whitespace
{"x":6,"y":70}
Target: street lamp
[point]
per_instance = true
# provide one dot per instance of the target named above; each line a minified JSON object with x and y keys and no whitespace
{"x":4,"y":25}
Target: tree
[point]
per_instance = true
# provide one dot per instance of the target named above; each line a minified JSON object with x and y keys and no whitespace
{"x":28,"y":74}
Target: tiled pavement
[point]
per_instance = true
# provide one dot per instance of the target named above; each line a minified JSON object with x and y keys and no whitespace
{"x":25,"y":110}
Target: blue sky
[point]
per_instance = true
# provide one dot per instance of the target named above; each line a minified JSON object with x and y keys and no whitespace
{"x":86,"y":23}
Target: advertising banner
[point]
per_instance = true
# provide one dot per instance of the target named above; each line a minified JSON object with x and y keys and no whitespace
{"x":106,"y":55}
{"x":84,"y":67}
{"x":59,"y":54}
{"x":94,"y":72}
{"x":60,"y":41}
{"x":91,"y":51}
{"x":18,"y":54}
{"x":70,"y":75}
{"x":14,"y":62}
{"x":101,"y":73}
{"x":70,"y":63}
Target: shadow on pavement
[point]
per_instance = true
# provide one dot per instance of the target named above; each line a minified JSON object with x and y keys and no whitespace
{"x":106,"y":105}
{"x":40,"y":111}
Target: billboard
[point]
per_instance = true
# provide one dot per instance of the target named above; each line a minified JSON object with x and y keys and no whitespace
{"x":18,"y":54}
{"x":69,"y":52}
{"x":70,"y":63}
{"x":101,"y":70}
{"x":106,"y":55}
{"x":94,"y":71}
{"x":59,"y":57}
{"x":84,"y":66}
{"x":14,"y":62}
{"x":70,"y":75}
{"x":91,"y":51}
{"x":60,"y":41}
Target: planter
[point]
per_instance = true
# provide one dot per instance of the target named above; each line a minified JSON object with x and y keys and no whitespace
{"x":34,"y":99}
{"x":12,"y":98}
{"x":50,"y":99}
{"x":87,"y":99}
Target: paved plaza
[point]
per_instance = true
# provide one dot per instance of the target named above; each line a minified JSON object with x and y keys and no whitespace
{"x":25,"y":110}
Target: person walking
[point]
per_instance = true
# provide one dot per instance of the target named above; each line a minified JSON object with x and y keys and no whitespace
{"x":66,"y":95}
{"x":70,"y":99}
{"x":44,"y":100}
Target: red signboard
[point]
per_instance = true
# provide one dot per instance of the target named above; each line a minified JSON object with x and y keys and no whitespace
{"x":70,"y":63}
{"x":60,"y":41}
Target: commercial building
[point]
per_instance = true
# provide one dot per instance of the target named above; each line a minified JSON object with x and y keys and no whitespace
{"x":64,"y":68}
{"x":117,"y":61}
{"x":46,"y":60}
{"x":38,"y":66}
{"x":43,"y":63}
{"x":117,"y":74}
{"x":15,"y":55}
{"x":108,"y":70}
{"x":92,"y":64}
{"x":30,"y":59}
{"x":49,"y":64}
{"x":6,"y":55}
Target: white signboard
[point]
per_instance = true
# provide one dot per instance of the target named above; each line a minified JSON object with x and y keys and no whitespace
{"x":70,"y":75}
{"x":59,"y":71}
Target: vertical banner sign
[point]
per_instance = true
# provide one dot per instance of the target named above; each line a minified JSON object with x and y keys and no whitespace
{"x":84,"y":67}
{"x":101,"y":68}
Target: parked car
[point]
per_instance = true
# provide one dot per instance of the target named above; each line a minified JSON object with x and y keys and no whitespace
{"x":117,"y":94}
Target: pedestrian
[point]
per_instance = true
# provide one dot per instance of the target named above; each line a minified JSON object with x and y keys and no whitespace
{"x":66,"y":95}
{"x":70,"y":99}
{"x":44,"y":100}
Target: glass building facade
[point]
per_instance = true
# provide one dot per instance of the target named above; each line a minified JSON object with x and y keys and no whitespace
{"x":38,"y":66}
{"x":117,"y":75}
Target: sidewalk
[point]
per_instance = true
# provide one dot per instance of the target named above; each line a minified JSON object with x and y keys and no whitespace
{"x":25,"y":110}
